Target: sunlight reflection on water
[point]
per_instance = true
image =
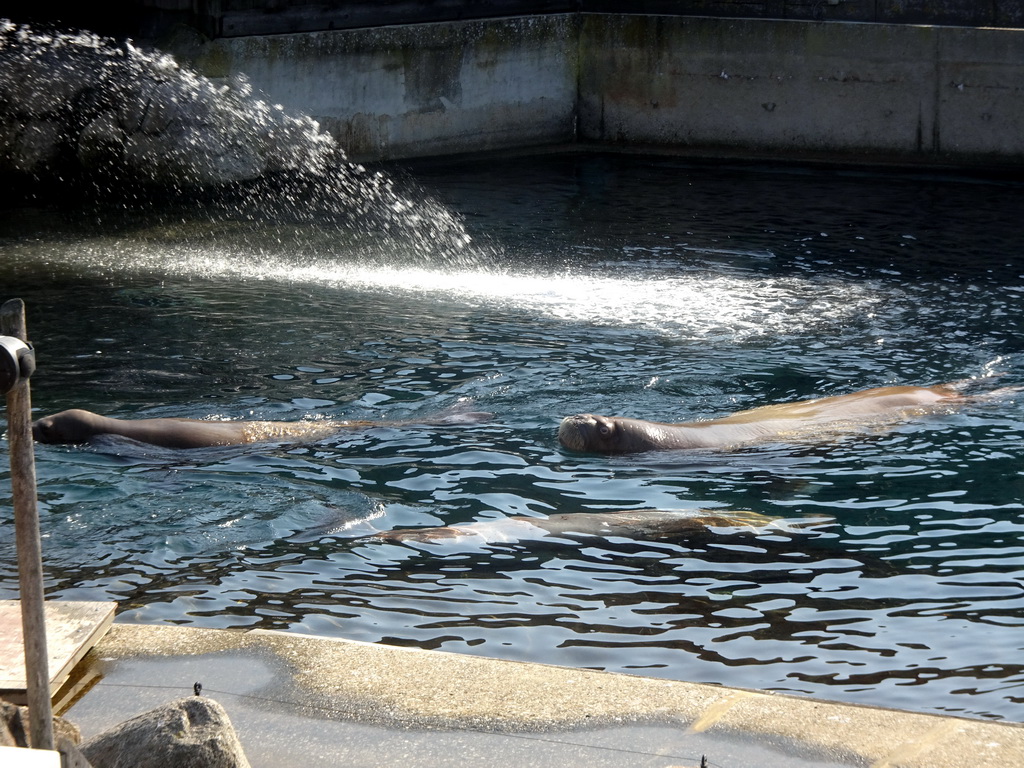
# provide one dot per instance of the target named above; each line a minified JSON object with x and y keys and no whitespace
{"x":659,"y":309}
{"x":651,"y":295}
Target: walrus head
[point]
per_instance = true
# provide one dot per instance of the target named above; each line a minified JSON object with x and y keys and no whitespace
{"x":73,"y":426}
{"x":587,"y":432}
{"x":615,"y":434}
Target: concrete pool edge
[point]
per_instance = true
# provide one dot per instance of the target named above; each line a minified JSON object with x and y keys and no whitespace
{"x":439,"y":690}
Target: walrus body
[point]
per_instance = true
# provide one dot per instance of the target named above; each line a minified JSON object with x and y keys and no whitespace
{"x":616,"y":434}
{"x":639,"y":524}
{"x":79,"y":426}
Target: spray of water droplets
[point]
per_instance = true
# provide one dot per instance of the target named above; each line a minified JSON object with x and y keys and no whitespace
{"x":279,"y":199}
{"x":79,"y":107}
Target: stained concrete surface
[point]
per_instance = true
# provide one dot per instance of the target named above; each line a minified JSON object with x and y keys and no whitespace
{"x":308,"y":701}
{"x":840,"y":92}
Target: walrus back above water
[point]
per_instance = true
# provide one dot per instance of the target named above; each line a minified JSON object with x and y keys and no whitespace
{"x":616,"y":434}
{"x":79,"y":426}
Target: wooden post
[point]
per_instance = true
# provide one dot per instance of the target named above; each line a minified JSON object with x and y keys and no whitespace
{"x":26,"y":531}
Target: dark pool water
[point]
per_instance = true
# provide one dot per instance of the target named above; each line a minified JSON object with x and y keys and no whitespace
{"x":639,"y":286}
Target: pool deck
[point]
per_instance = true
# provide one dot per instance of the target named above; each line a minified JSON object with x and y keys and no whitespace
{"x":311,"y":701}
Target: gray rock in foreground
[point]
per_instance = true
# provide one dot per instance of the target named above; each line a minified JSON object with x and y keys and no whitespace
{"x":193,"y":732}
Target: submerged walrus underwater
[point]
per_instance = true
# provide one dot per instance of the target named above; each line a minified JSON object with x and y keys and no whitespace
{"x":799,"y":420}
{"x":637,"y":524}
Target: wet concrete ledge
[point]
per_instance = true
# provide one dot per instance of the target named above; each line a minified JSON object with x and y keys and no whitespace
{"x":853,"y":92}
{"x":439,"y":694}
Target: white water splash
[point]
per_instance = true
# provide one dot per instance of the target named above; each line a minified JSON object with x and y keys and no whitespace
{"x":78,"y":107}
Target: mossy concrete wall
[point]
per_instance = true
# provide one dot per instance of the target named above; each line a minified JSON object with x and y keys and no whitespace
{"x":873,"y":91}
{"x":847,"y":92}
{"x":422,"y":89}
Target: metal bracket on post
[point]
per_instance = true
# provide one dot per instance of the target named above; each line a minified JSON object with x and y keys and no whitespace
{"x":17,"y":362}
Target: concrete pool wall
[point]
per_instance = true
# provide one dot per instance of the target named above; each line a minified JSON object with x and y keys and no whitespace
{"x":839,"y":91}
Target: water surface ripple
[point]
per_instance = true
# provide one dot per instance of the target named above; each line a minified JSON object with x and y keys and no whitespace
{"x":633,"y":285}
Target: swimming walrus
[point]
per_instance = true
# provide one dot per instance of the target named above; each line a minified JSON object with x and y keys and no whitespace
{"x":618,"y":434}
{"x":638,"y":524}
{"x":79,"y":426}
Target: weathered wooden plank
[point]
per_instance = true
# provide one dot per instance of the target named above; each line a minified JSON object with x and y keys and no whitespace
{"x":81,"y":680}
{"x":72,"y":629}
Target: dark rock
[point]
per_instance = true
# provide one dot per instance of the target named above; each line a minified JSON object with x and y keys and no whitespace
{"x":12,"y":727}
{"x":14,"y":732}
{"x":193,"y":732}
